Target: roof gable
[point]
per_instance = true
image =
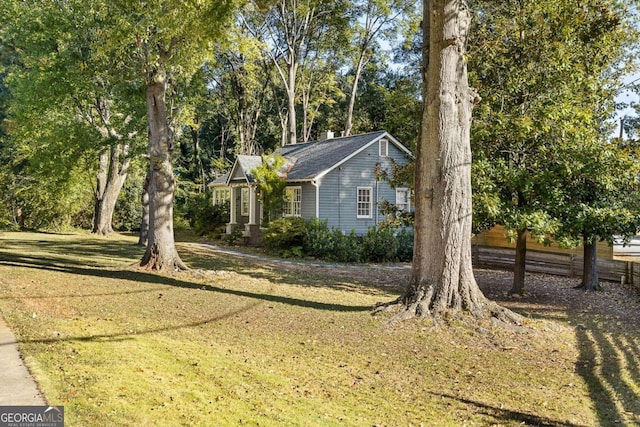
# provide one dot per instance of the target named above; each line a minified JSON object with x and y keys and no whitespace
{"x":243,"y":167}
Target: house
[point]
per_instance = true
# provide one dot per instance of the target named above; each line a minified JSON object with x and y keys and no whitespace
{"x":332,"y":179}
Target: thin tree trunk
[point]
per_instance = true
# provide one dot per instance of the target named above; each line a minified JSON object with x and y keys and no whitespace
{"x":161,"y":253}
{"x":520,"y":263}
{"x":284,"y":118}
{"x":291,"y":106}
{"x":19,"y":218}
{"x":197,"y":158}
{"x":144,"y":221}
{"x":306,"y":126}
{"x":352,"y":97}
{"x":442,"y":276}
{"x":308,"y":114}
{"x":101,"y":185}
{"x":590,"y":280}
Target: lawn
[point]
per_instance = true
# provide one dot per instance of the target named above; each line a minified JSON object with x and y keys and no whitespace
{"x":242,"y":341}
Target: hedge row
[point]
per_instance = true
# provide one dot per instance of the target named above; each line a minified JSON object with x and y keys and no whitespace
{"x":295,"y":237}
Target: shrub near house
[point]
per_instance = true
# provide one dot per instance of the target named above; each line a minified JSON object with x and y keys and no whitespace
{"x":295,"y":237}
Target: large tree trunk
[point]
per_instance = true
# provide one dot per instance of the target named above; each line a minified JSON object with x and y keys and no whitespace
{"x":113,"y":169}
{"x":590,"y":280}
{"x":520,"y":263}
{"x":111,"y":178}
{"x":442,"y":276}
{"x":161,"y":253}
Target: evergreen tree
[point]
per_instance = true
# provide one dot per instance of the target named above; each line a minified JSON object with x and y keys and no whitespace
{"x":547,"y":73}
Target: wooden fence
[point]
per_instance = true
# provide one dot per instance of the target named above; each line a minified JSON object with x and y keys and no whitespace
{"x":562,"y":264}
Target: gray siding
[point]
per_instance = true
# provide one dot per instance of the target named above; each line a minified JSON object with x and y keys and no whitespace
{"x":338,"y":191}
{"x":308,"y":203}
{"x":308,"y":200}
{"x":240,"y":219}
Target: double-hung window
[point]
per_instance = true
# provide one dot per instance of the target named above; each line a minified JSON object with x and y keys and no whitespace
{"x":220,"y":196}
{"x":403,"y":200}
{"x":292,"y":201}
{"x":383,"y":148}
{"x":364,"y":203}
{"x":244,"y":201}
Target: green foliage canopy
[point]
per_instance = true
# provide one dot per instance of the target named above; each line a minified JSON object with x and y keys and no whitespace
{"x":547,"y":73}
{"x":270,"y":184}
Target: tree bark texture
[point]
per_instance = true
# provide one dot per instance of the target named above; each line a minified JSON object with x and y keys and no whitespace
{"x":144,"y":221}
{"x":520,"y":263}
{"x":111,"y":176}
{"x":161,"y":253}
{"x":101,"y":185}
{"x":114,"y":162}
{"x":442,"y":277}
{"x":590,"y":280}
{"x":291,"y":104}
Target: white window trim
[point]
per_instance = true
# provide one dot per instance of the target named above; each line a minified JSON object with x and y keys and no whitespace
{"x":244,"y":201}
{"x":370,"y":215}
{"x":290,"y":203}
{"x":383,"y":148}
{"x":407,"y":203}
{"x":221,"y":195}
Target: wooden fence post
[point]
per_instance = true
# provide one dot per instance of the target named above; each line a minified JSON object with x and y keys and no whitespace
{"x":627,"y":269}
{"x":572,"y":259}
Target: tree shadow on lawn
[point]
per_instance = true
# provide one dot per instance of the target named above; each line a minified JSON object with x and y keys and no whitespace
{"x":505,"y":415}
{"x":608,"y":364}
{"x":607,"y":335}
{"x":88,"y":251}
{"x":125,"y":336}
{"x":363,"y":278}
{"x":12,"y":260}
{"x":608,"y":361}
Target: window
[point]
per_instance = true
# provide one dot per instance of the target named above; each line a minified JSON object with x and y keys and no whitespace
{"x":364,"y":202}
{"x":384,"y":148}
{"x":244,"y":201}
{"x":403,"y":199}
{"x":221,"y":196}
{"x":292,"y":201}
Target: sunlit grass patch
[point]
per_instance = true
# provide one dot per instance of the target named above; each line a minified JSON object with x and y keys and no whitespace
{"x":238,"y":341}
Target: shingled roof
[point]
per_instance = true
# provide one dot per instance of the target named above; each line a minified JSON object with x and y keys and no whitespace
{"x":313,"y":159}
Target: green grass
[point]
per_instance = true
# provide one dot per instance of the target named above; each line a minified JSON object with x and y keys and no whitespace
{"x":238,"y":342}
